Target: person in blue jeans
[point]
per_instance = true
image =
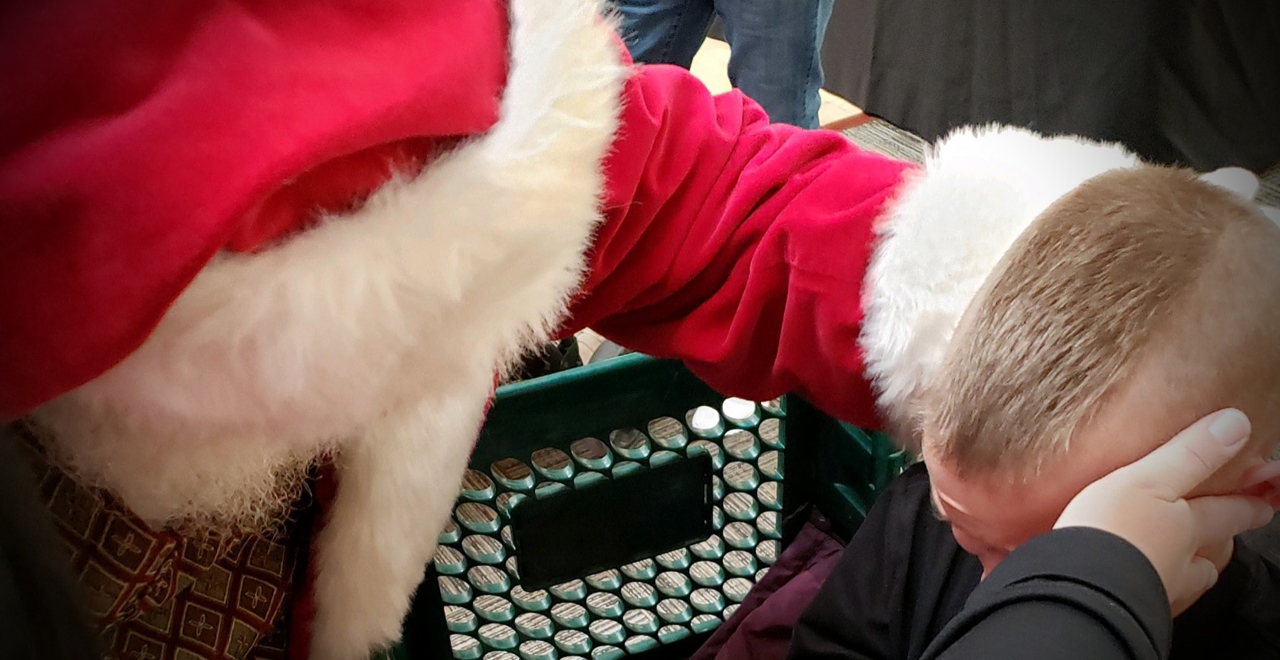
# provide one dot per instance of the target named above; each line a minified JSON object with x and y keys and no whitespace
{"x":774,"y":46}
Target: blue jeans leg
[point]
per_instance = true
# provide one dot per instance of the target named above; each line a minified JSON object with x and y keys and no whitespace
{"x":665,"y":31}
{"x":775,"y":54}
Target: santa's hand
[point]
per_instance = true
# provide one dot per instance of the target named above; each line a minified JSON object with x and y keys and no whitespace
{"x":1187,"y":541}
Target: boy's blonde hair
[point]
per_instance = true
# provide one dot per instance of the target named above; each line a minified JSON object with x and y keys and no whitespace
{"x":1136,"y":267}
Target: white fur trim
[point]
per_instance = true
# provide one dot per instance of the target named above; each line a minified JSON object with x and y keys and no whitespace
{"x":376,"y":334}
{"x":396,"y":489}
{"x":948,"y":229}
{"x":525,"y":199}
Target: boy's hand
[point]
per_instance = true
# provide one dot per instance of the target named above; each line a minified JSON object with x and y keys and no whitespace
{"x":1187,"y":541}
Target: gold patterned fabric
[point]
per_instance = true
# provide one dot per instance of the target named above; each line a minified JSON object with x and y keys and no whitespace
{"x":159,"y":596}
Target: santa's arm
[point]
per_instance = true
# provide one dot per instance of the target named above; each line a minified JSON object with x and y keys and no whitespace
{"x":736,"y":246}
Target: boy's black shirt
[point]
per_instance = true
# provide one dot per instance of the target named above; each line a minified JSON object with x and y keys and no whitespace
{"x":903,"y":577}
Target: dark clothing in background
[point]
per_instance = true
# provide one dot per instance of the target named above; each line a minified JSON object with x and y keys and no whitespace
{"x":549,"y":358}
{"x":903,"y":579}
{"x":1070,"y":594}
{"x":1194,"y":82}
{"x":41,"y":607}
{"x":761,"y":628}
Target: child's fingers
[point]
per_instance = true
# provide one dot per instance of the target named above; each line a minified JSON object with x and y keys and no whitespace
{"x":1177,"y":467}
{"x":1221,"y":517}
{"x":1202,"y":575}
{"x":1262,"y":481}
{"x":1268,"y":490}
{"x":1219,"y":552}
{"x":1267,"y":472}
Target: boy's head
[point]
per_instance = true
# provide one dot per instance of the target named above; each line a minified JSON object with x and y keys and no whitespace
{"x":1139,"y":302}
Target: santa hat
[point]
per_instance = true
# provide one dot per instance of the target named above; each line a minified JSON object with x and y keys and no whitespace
{"x":129,"y":157}
{"x":951,"y":224}
{"x":137,"y":175}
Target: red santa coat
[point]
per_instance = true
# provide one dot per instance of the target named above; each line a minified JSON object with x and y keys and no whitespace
{"x":201,"y":246}
{"x":233,"y":238}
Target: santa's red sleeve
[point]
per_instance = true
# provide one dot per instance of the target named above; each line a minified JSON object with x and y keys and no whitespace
{"x":737,"y":246}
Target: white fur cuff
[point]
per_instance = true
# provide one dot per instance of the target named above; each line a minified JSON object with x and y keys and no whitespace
{"x":945,"y":233}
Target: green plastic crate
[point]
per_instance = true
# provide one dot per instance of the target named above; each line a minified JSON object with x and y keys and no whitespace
{"x":697,"y":522}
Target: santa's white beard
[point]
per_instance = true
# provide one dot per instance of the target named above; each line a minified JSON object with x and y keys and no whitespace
{"x":179,"y":478}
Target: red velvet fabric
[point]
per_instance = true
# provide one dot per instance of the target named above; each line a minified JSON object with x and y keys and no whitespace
{"x":152,"y":134}
{"x":140,"y":137}
{"x":737,"y":246}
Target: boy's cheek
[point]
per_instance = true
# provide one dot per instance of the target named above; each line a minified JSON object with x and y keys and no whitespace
{"x":989,"y":557}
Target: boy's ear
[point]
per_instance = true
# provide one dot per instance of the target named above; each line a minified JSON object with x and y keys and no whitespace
{"x":1238,"y":180}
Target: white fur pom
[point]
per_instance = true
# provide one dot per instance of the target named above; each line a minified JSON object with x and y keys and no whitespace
{"x":1243,"y":183}
{"x":946,"y":232}
{"x":1236,"y":179}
